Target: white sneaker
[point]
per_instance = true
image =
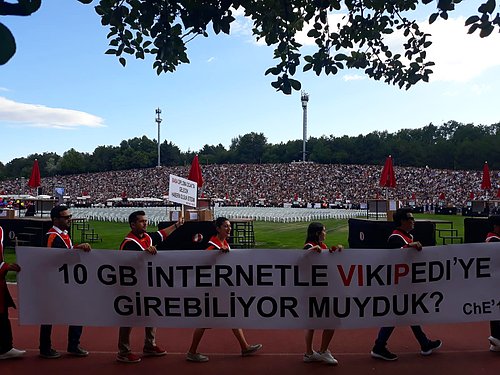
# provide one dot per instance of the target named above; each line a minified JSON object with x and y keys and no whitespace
{"x":12,"y":353}
{"x":314,"y":357}
{"x":327,"y":357}
{"x":494,"y":341}
{"x":494,"y":348}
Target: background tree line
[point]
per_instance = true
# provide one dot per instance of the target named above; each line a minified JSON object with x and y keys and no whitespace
{"x":450,"y":146}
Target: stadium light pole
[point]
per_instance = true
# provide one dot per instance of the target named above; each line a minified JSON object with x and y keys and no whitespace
{"x":304,"y":97}
{"x":158,"y":121}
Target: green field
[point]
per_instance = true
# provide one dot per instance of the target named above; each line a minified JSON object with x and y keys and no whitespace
{"x":268,"y":235}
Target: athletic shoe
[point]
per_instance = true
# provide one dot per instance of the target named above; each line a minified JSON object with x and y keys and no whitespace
{"x":78,"y":352}
{"x":196,"y":357}
{"x":50,"y":354}
{"x":327,"y":357}
{"x":155,"y":351}
{"x":252,"y":349}
{"x":494,"y":341}
{"x":314,"y":357}
{"x":430,"y":347}
{"x":383,"y":353}
{"x":494,"y":348}
{"x":128,"y":358}
{"x":12,"y":353}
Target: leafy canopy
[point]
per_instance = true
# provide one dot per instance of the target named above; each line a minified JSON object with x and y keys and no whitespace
{"x":163,"y":29}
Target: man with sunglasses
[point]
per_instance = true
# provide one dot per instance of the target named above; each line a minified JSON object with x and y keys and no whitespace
{"x":58,"y":237}
{"x":401,"y":238}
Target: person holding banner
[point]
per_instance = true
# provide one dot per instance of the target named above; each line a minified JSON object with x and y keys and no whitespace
{"x":139,"y":239}
{"x":402,"y":239}
{"x":58,"y":237}
{"x":7,"y":349}
{"x":494,"y":236}
{"x":315,"y":241}
{"x":219,"y":242}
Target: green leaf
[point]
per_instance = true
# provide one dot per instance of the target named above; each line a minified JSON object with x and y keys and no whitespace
{"x":473,"y":28}
{"x":471,"y":20}
{"x":295,"y":84}
{"x":122,"y":61}
{"x":8,"y":45}
{"x":111,"y":51}
{"x":488,"y":7}
{"x":486,"y":31}
{"x":433,"y":17}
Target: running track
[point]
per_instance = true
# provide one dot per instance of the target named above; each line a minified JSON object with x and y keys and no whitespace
{"x":465,"y":351}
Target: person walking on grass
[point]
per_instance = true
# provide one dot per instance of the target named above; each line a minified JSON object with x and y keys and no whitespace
{"x":219,"y":242}
{"x":315,"y":241}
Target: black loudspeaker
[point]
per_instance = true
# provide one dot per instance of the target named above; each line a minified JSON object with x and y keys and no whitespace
{"x":446,"y":211}
{"x":476,"y":229}
{"x":193,"y":235}
{"x":28,"y":231}
{"x":371,"y":234}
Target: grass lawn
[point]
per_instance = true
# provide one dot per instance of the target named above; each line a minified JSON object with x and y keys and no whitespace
{"x":267,"y":235}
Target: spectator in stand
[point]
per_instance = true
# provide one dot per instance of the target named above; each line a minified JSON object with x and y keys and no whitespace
{"x":139,"y":239}
{"x":315,"y":241}
{"x":494,"y":236}
{"x":219,"y":242}
{"x":58,"y":237}
{"x":402,"y":239}
{"x":7,"y":349}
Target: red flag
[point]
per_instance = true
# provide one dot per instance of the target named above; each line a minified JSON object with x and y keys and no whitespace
{"x":413,"y":196}
{"x":35,"y":180}
{"x":442,"y":197}
{"x":195,"y":172}
{"x":486,"y":182}
{"x":498,"y":193}
{"x":471,"y":196}
{"x":388,"y":179}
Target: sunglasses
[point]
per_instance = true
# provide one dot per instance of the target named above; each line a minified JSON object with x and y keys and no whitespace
{"x":410,"y":218}
{"x":66,"y":217}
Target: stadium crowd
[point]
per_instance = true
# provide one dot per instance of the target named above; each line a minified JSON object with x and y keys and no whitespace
{"x":274,"y":184}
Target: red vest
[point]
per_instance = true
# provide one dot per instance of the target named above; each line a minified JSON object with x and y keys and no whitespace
{"x":63,"y":235}
{"x":406,"y":237}
{"x":311,"y":244}
{"x":143,"y":242}
{"x":215,"y":243}
{"x":1,"y":244}
{"x":492,"y":237}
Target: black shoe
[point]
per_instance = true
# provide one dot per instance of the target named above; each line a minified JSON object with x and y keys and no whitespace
{"x":383,"y":353}
{"x":78,"y":352}
{"x":49,"y":354}
{"x":430,"y":347}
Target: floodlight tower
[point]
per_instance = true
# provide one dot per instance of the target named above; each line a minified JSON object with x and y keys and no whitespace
{"x":304,"y":97}
{"x":158,"y":121}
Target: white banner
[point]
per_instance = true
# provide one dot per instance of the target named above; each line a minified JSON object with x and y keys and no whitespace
{"x":182,"y":191}
{"x":259,"y":288}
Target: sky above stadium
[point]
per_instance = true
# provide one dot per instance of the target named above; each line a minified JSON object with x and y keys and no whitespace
{"x":61,"y":91}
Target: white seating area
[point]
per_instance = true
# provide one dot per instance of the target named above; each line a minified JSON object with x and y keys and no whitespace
{"x":272,"y":214}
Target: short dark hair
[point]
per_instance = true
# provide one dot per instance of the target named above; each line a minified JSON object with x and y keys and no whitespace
{"x":220,"y":220}
{"x":494,"y":219}
{"x":132,"y":218}
{"x":56,"y":211}
{"x":401,"y":214}
{"x":313,"y":231}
